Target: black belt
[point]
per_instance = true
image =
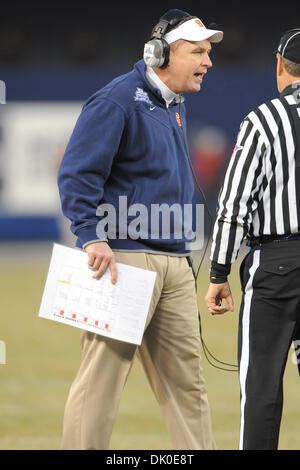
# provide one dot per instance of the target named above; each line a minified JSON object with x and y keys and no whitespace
{"x":258,"y":241}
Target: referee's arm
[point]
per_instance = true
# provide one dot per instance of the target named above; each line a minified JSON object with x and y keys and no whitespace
{"x":238,"y":200}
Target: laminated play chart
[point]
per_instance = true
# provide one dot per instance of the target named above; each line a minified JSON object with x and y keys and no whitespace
{"x":73,"y":297}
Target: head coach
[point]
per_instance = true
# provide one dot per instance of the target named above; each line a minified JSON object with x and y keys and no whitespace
{"x":260,"y":200}
{"x":129,"y":142}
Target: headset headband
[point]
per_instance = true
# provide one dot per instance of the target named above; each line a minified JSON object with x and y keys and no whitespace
{"x":169,"y":20}
{"x":160,"y":29}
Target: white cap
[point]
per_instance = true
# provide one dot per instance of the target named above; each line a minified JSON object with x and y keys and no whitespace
{"x":193,"y":30}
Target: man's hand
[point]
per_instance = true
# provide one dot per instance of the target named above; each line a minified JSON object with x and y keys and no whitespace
{"x":101,"y":257}
{"x":214,"y":296}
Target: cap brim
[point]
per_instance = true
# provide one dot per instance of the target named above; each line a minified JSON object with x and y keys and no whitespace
{"x":214,"y":36}
{"x":211,"y":34}
{"x":193,"y":30}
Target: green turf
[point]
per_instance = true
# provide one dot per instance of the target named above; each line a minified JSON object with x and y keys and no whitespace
{"x":43,"y":357}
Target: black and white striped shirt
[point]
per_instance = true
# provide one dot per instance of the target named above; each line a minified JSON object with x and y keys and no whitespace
{"x":261,"y":190}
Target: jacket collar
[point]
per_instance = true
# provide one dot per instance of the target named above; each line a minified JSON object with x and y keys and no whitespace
{"x":154,"y":80}
{"x":141,"y":68}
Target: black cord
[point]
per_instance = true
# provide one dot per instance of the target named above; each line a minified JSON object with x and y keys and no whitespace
{"x":207,"y":352}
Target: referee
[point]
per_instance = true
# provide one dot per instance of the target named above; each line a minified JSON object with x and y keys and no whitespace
{"x":260,"y":201}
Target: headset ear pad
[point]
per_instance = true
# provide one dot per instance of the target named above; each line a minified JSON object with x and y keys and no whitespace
{"x":156,"y":53}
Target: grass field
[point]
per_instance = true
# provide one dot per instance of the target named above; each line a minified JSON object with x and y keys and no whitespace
{"x":43,"y":357}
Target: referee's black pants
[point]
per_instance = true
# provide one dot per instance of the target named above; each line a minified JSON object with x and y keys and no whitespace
{"x":269,"y":322}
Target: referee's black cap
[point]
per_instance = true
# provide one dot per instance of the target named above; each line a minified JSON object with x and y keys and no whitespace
{"x":289,"y":45}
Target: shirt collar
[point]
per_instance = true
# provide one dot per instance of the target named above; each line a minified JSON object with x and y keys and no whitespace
{"x":167,"y":94}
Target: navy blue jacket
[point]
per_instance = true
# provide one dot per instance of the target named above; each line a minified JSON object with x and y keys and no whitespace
{"x":126,"y":142}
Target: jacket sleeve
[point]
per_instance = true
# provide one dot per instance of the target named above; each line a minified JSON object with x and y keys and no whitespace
{"x":87,"y":163}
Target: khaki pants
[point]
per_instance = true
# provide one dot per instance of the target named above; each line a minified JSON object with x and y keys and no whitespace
{"x":169,"y":353}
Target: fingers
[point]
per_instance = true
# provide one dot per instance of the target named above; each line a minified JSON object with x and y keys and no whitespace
{"x":214,"y":296}
{"x":229,"y":301}
{"x":100,"y":268}
{"x":220,"y":309}
{"x":217,"y":309}
{"x":113,"y":271}
{"x":101,"y":265}
{"x":93,"y":261}
{"x":100,"y":258}
{"x":214,"y":305}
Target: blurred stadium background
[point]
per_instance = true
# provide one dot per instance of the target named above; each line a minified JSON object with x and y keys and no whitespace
{"x":52,"y":58}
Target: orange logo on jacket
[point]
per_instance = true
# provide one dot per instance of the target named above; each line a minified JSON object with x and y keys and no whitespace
{"x":178,"y":119}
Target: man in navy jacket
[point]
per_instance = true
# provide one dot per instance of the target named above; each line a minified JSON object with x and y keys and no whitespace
{"x":126,"y":185}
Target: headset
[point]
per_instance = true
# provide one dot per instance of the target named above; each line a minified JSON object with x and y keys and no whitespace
{"x":157,"y":50}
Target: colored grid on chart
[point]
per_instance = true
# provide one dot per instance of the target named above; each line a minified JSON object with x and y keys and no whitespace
{"x":78,"y":298}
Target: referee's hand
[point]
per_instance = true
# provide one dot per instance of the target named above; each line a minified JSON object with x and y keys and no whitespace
{"x":101,"y":257}
{"x":214,"y":296}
